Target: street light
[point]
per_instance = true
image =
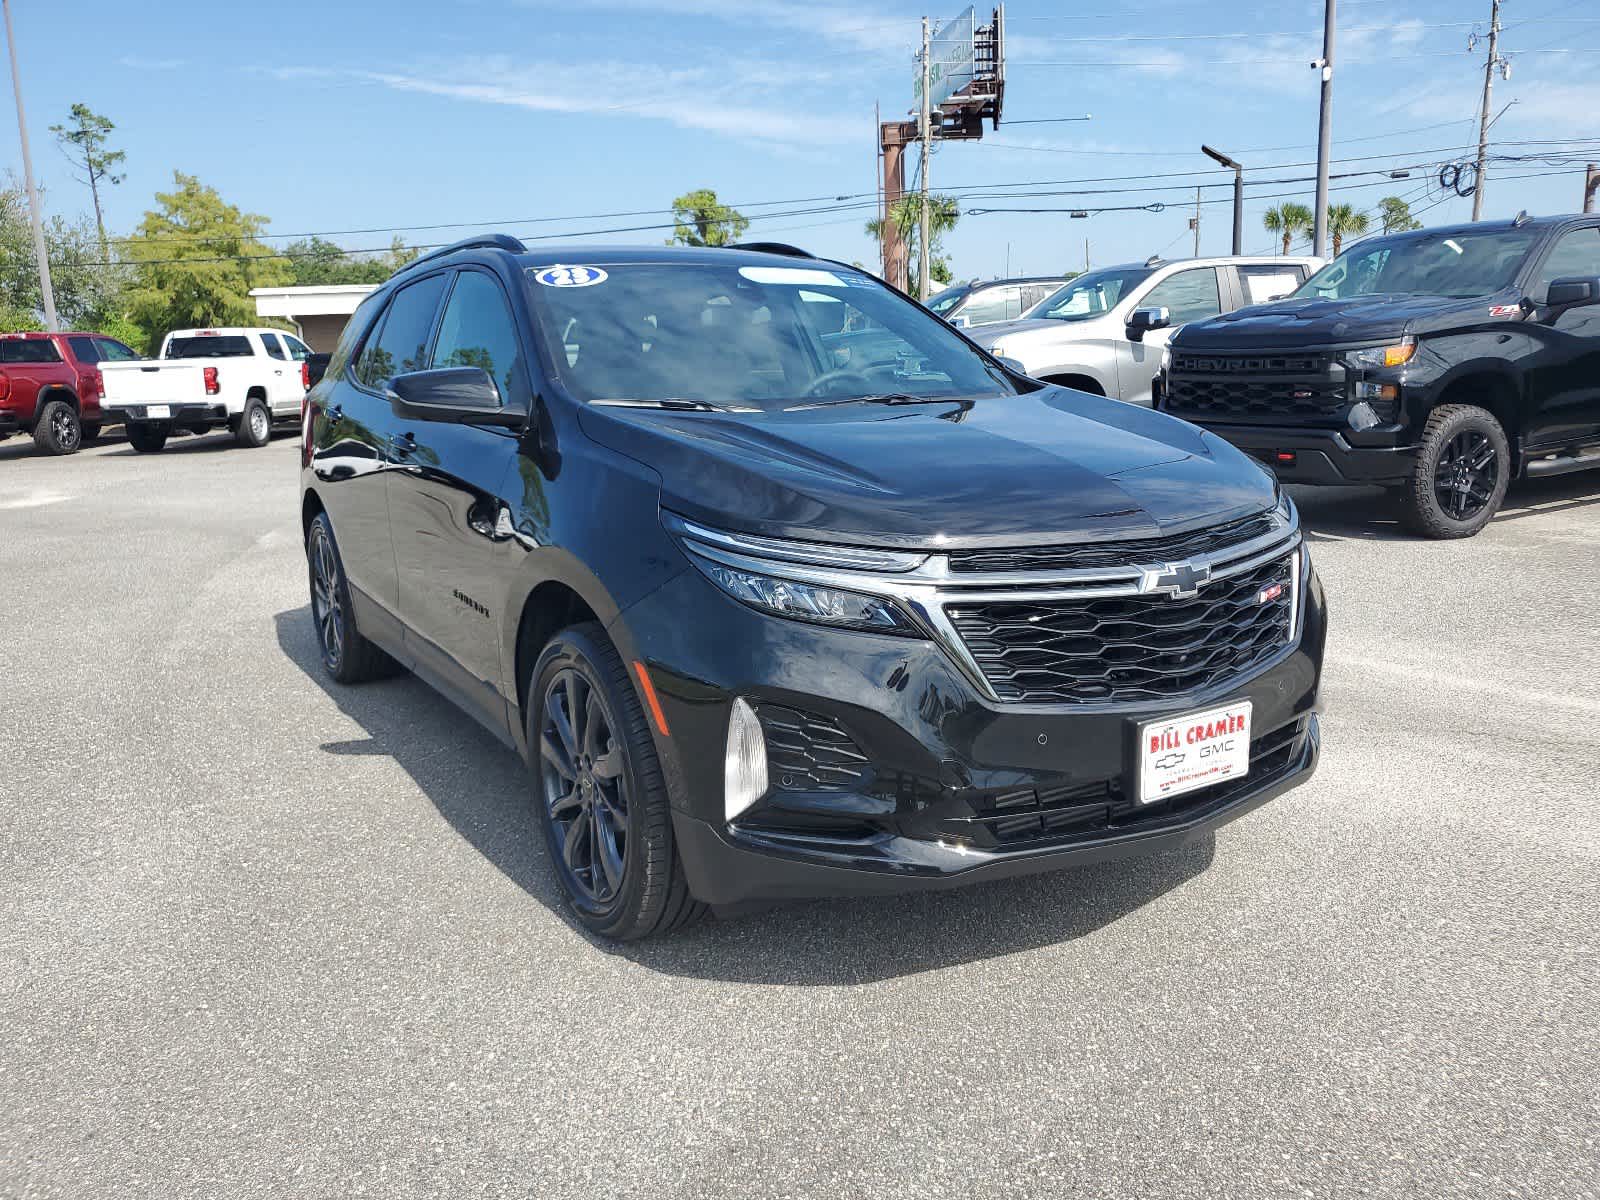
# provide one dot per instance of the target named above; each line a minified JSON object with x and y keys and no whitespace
{"x":1238,"y":194}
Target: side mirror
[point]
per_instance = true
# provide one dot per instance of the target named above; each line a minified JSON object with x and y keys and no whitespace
{"x":1142,"y":320}
{"x":1574,"y":290}
{"x":454,"y":395}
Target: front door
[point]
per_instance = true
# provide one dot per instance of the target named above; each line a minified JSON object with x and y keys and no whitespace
{"x":283,"y":378}
{"x":1188,"y":295}
{"x":1564,"y":378}
{"x":451,"y":544}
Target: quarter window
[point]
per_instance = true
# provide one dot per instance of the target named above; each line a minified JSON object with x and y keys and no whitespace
{"x":1187,"y":296}
{"x":478,"y":331}
{"x":401,"y":343}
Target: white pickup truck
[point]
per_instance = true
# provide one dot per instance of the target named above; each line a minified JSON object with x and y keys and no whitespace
{"x":245,"y":379}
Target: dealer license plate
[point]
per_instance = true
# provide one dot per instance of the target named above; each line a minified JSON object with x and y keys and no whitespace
{"x":157,"y":412}
{"x":1195,"y":750}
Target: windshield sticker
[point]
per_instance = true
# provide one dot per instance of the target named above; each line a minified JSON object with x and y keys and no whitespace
{"x":571,"y":276}
{"x":792,"y":275}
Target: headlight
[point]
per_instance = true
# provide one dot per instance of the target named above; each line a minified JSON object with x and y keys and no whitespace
{"x":806,"y":601}
{"x":1166,"y":358}
{"x":1377,"y":357}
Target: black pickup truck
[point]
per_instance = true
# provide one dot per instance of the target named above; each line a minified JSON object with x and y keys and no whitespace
{"x":1442,"y":363}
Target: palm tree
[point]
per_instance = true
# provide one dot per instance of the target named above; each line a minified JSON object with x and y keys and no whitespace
{"x":1288,"y":220}
{"x":1344,"y":220}
{"x":943,"y":213}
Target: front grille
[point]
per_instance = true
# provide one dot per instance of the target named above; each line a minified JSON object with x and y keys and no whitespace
{"x":1255,"y":386}
{"x":1115,"y":554}
{"x":1126,"y":648}
{"x":807,"y":752}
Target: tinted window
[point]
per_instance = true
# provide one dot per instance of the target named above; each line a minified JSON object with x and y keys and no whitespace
{"x":273,"y":346}
{"x":1576,"y":253}
{"x":753,"y":334}
{"x":1455,"y":263}
{"x":1187,"y":296}
{"x":478,"y":331}
{"x":1032,"y":293}
{"x":948,"y":299}
{"x":993,"y":304}
{"x":84,"y":349}
{"x":28,"y":350}
{"x":350,"y":336}
{"x":1092,"y":295}
{"x":210,"y":346}
{"x":401,"y":343}
{"x":1263,"y":282}
{"x":298,"y":350}
{"x":112,"y":350}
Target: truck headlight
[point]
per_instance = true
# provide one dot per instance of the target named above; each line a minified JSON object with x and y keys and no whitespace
{"x":1166,"y":358}
{"x":1374,"y":358}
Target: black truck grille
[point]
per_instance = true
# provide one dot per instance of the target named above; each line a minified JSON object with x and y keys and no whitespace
{"x":1142,"y":647}
{"x":1254,"y":386}
{"x":1115,"y":554}
{"x":807,"y":752}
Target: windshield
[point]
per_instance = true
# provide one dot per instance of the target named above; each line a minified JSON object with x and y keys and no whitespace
{"x":948,"y":299}
{"x":1090,"y":295}
{"x":1440,"y":264}
{"x":768,"y":337}
{"x":210,"y":346}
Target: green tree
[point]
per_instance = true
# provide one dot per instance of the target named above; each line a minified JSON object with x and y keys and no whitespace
{"x":83,"y":141}
{"x":317,"y":262}
{"x":906,"y":213}
{"x":703,"y":220}
{"x":196,"y":257}
{"x":1394,"y":214}
{"x":89,"y":294}
{"x":1288,"y":220}
{"x":1344,"y":221}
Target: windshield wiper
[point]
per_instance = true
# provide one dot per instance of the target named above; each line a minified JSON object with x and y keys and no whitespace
{"x":880,"y":398}
{"x":675,"y":404}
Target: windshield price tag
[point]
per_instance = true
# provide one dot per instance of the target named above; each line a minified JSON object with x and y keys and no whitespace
{"x":571,"y":276}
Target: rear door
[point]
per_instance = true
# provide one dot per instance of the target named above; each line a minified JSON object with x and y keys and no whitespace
{"x":1192,"y":294}
{"x":445,"y":507}
{"x":1564,"y":378}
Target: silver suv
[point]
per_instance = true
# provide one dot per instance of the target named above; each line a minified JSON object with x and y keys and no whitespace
{"x":1106,"y":330}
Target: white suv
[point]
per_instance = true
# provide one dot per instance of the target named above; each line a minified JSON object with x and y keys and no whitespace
{"x":1105,"y":331}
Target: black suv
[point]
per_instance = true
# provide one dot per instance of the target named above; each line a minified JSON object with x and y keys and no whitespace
{"x":784,"y":588}
{"x":1442,"y":363}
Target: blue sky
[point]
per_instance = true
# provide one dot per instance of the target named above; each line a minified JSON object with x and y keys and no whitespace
{"x":350,"y":116}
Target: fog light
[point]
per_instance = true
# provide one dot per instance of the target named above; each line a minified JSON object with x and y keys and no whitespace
{"x":744,"y":771}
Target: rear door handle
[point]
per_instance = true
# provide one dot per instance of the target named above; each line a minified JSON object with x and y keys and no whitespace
{"x":405,"y":444}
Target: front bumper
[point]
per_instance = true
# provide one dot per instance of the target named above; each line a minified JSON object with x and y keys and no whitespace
{"x":1323,"y":456}
{"x":906,"y":778}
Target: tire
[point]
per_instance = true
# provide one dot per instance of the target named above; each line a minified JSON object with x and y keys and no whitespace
{"x":347,"y":657}
{"x":146,"y":438}
{"x":57,"y":429}
{"x":255,"y":425}
{"x":1463,"y":468}
{"x":625,"y":800}
{"x":91,"y":431}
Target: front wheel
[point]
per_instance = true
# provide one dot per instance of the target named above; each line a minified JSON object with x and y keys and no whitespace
{"x":601,"y":798}
{"x":146,"y":438}
{"x":1463,"y":468}
{"x":58,"y":431}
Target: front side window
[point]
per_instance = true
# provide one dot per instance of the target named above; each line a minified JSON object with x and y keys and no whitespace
{"x":994,"y":304}
{"x":28,"y":350}
{"x":112,"y":350}
{"x":478,"y":331}
{"x":1187,"y":296}
{"x":298,"y":350}
{"x":274,"y":348}
{"x":1576,"y":253}
{"x":1092,"y":295}
{"x":772,"y":337}
{"x":948,"y":299}
{"x":1446,"y":263}
{"x":400,"y":344}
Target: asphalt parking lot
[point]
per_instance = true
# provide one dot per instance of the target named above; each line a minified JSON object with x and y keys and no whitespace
{"x":263,"y":937}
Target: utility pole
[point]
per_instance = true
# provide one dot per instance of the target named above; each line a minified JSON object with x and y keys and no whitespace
{"x":27,"y":173}
{"x":1238,"y":194}
{"x":1591,"y":185}
{"x":927,"y":158}
{"x":1319,"y":212}
{"x":1483,"y":121}
{"x":1194,"y":222}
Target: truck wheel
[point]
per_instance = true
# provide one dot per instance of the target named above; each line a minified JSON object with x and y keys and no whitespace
{"x":346,"y":655}
{"x":145,"y":437}
{"x":1463,"y":467}
{"x":91,"y":431}
{"x":599,"y":791}
{"x":255,"y":425}
{"x":57,"y":430}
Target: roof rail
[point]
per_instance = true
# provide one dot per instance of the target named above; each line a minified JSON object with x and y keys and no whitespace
{"x":772,"y":248}
{"x":484,"y":241}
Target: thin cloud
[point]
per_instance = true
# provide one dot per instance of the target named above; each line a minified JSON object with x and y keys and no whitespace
{"x":135,"y":63}
{"x":861,"y":26}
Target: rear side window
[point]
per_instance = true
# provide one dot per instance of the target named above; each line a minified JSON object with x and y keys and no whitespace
{"x":994,"y":304}
{"x":401,"y":342}
{"x":273,"y":345}
{"x":1263,"y":282}
{"x":214,"y":346}
{"x":1187,"y":296}
{"x":479,"y":331}
{"x":85,"y":349}
{"x":28,"y":350}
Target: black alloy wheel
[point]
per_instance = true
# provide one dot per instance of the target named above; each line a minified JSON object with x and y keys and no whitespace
{"x":327,"y":598}
{"x":1463,"y":467}
{"x":585,"y":789}
{"x":1465,"y":478}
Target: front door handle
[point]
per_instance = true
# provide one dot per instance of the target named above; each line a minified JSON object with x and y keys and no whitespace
{"x":334,"y":414}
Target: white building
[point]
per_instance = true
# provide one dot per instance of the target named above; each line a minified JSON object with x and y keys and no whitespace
{"x":318,"y":313}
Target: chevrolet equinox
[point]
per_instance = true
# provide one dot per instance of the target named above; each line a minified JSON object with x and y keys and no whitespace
{"x":783,"y":588}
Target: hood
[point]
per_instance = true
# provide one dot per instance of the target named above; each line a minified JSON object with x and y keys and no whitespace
{"x":1049,"y":466}
{"x":1031,"y":331}
{"x":1314,"y":322}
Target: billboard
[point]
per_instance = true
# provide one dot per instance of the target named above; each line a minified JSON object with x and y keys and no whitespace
{"x":951,"y":58}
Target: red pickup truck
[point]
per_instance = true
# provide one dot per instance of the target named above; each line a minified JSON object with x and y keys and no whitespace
{"x":50,"y":386}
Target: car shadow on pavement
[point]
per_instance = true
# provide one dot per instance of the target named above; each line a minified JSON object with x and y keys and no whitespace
{"x":481,"y":788}
{"x":1373,"y":514}
{"x":215,"y":439}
